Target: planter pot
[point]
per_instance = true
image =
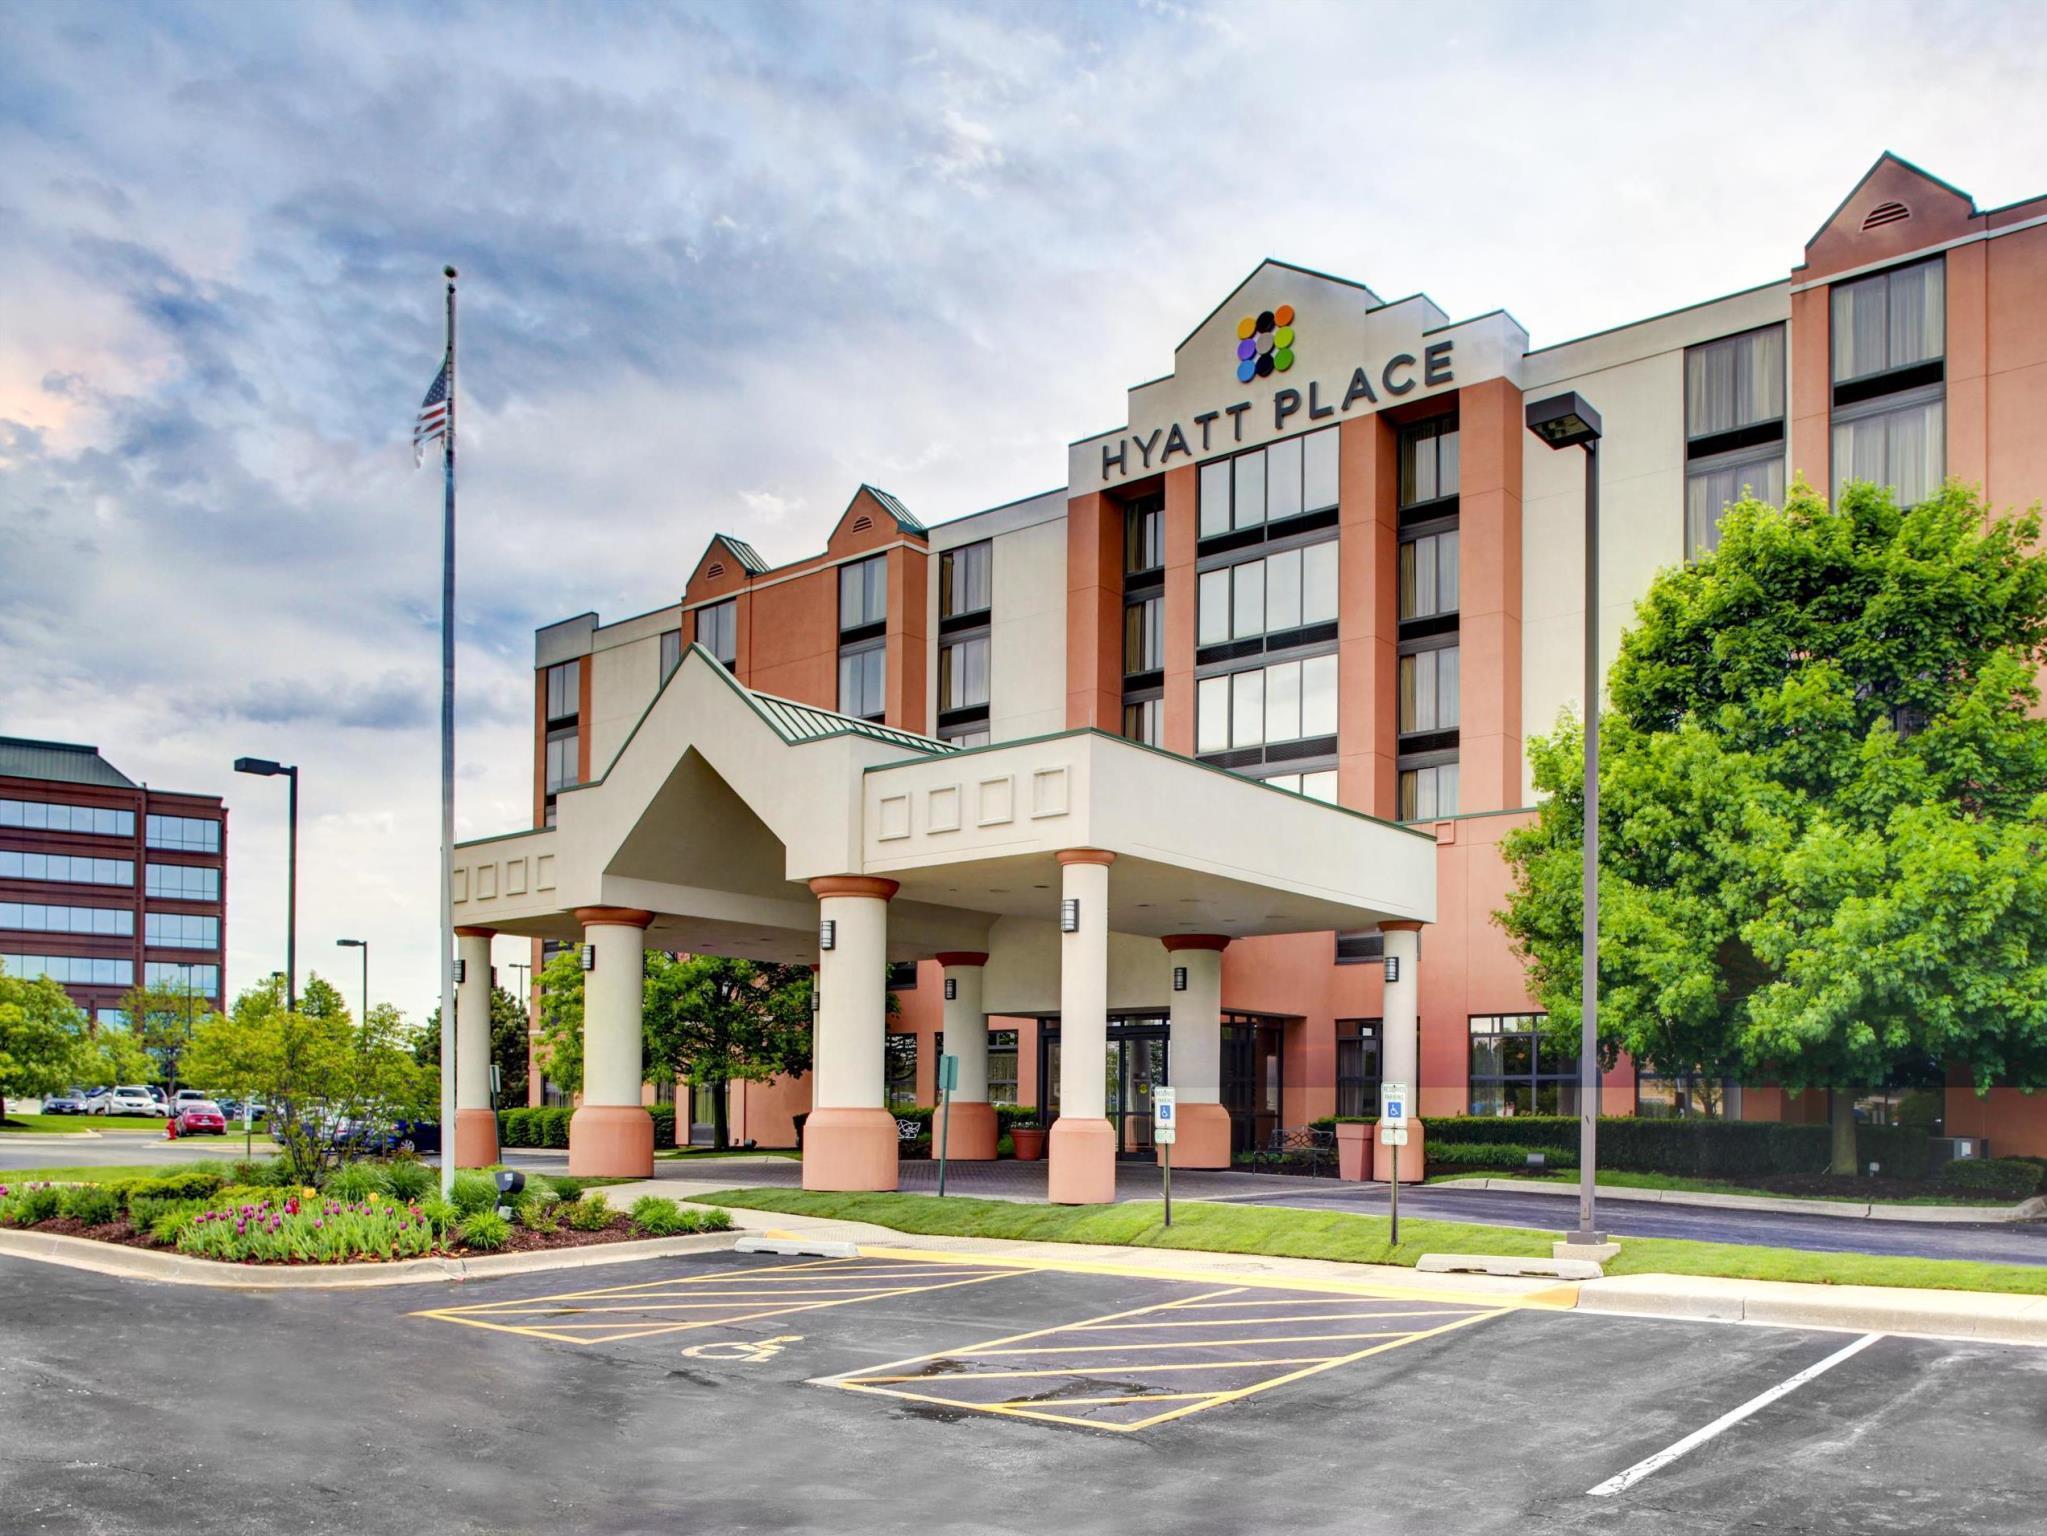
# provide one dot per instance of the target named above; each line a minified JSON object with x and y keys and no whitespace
{"x":1029,"y":1141}
{"x":1354,"y":1152}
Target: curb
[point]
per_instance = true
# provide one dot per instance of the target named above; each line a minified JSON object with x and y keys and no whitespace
{"x":1840,"y":1210}
{"x":179,"y":1269}
{"x":11,"y":1138}
{"x":1981,"y":1316}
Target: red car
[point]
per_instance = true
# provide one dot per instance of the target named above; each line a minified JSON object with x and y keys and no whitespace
{"x":202,"y":1118}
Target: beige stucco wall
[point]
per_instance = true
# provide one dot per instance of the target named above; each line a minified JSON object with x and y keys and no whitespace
{"x":1027,"y":625}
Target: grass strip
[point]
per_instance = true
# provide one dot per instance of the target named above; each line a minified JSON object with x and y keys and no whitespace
{"x":1356,"y":1239}
{"x":1615,"y":1178}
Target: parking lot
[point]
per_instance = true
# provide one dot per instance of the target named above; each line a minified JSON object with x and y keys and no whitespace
{"x":753,"y":1393}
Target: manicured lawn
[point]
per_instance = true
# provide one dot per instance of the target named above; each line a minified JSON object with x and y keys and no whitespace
{"x":707,"y":1154}
{"x":1362,"y":1239}
{"x":16,"y":1122}
{"x":96,"y":1173}
{"x":1610,"y":1178}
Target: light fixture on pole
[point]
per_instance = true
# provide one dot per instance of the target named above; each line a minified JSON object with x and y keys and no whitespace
{"x":364,"y":946}
{"x":1069,"y":915}
{"x":263,"y":768}
{"x":1567,"y":421}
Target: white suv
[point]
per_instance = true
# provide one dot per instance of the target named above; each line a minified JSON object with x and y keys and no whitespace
{"x":128,"y":1101}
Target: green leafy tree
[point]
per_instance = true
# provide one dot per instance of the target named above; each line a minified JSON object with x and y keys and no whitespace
{"x":114,"y":1055}
{"x":43,"y":1045}
{"x":507,"y":1044}
{"x":321,"y":999}
{"x":162,"y":1018}
{"x":1823,"y":803}
{"x":710,"y":1021}
{"x":561,"y":1020}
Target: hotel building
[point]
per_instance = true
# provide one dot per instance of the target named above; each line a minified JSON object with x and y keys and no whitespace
{"x":1195,"y":768}
{"x":106,"y":884}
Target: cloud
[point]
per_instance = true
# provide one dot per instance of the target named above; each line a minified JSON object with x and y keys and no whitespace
{"x":722,"y":263}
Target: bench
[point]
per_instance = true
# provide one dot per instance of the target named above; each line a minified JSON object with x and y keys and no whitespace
{"x":1300,"y":1146}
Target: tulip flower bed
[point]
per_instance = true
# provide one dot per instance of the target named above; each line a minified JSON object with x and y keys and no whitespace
{"x":296,"y":1230}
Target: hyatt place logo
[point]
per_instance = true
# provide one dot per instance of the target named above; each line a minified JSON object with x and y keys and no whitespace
{"x":1265,"y":344}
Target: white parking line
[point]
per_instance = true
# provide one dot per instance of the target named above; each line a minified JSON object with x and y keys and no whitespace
{"x":1622,"y":1482}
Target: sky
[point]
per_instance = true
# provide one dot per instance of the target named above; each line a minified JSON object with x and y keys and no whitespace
{"x":722,"y":263}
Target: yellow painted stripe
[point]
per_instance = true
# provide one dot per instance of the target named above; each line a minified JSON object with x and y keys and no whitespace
{"x":1117,"y":1349}
{"x":1239,"y":1322}
{"x":966,"y":1377}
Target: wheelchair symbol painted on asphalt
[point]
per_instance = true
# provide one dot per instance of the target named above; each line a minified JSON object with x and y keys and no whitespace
{"x":742,"y":1350}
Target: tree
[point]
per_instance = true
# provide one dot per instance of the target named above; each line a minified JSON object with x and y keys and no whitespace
{"x":1823,"y":805}
{"x":561,"y":1020}
{"x":162,"y":1018}
{"x":42,"y":1038}
{"x":711,"y":1020}
{"x":507,"y":1044}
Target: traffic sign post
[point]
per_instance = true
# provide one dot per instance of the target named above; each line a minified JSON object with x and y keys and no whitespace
{"x":1393,"y":1135}
{"x":948,"y":1079}
{"x":1164,"y":1128}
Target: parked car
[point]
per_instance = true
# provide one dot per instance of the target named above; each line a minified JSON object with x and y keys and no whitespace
{"x":156,"y":1093}
{"x":200,"y":1117}
{"x":69,"y":1103}
{"x":128,"y":1101}
{"x":94,"y":1095}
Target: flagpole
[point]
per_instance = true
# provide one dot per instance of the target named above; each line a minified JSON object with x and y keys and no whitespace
{"x":447,"y":919}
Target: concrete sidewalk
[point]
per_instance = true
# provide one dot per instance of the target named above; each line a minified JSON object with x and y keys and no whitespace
{"x":1978,"y":1315}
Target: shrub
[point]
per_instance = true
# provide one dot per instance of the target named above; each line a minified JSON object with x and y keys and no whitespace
{"x":564,"y":1185}
{"x":444,"y":1214}
{"x":409,"y":1180}
{"x":194,"y":1183}
{"x":93,"y":1204}
{"x":357,"y":1181}
{"x":588,"y":1215}
{"x":23,"y":1205}
{"x":657,"y":1216}
{"x":171,"y":1225}
{"x":1503,"y":1156}
{"x":663,"y":1116}
{"x":475,"y":1192}
{"x":1728,"y":1149}
{"x":266,"y":1172}
{"x":2008,"y":1178}
{"x":538,"y":1215}
{"x":485,"y":1231}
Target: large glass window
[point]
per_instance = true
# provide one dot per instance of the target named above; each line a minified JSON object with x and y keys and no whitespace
{"x":65,"y":868}
{"x":182,"y":882}
{"x":863,"y":670}
{"x":1889,"y":356}
{"x":1283,"y":702}
{"x":863,"y":592}
{"x":1143,"y":720}
{"x":671,"y":652}
{"x":38,"y":917}
{"x":1428,"y":691}
{"x":1710,"y":488}
{"x":899,"y":1065}
{"x":1358,"y":1072}
{"x":181,"y":930}
{"x":1514,"y":1073}
{"x":1429,"y":792}
{"x":563,"y":753}
{"x":964,"y":579}
{"x":1281,"y":592}
{"x":564,"y":691}
{"x":72,"y":970}
{"x":1428,"y":575}
{"x":1895,"y":319}
{"x":49,"y":816}
{"x":1319,"y":785}
{"x":1144,"y":536}
{"x":1428,"y":461}
{"x":963,"y":673}
{"x":1734,"y":428}
{"x":1002,"y":1066}
{"x":1287,"y":479}
{"x":190,"y":834}
{"x":1903,"y":446}
{"x":1144,"y":635}
{"x":718,"y":630}
{"x":202,"y":979}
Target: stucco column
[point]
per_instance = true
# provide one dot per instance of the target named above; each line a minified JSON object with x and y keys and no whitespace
{"x":973,"y":1133}
{"x":1401,"y":1043}
{"x":849,"y":1140}
{"x":476,"y":1125}
{"x":612,"y":1134}
{"x":1083,"y":1144}
{"x":1196,"y":1054}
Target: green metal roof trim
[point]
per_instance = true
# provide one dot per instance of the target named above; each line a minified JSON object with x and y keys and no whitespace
{"x":745,"y":554}
{"x":64,"y":762}
{"x":805,"y":722}
{"x":905,"y":520}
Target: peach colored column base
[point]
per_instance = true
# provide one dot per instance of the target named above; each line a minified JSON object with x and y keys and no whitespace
{"x":476,"y":1138}
{"x":1413,"y":1156}
{"x":611,"y":1140}
{"x":1204,"y":1138}
{"x":849,"y":1149}
{"x":1083,"y":1162}
{"x":973,"y":1131}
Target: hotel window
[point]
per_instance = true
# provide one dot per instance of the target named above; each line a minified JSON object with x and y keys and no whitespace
{"x":1734,"y":428}
{"x":201,"y":979}
{"x":1362,"y":946}
{"x":671,"y":652}
{"x":1143,"y":720}
{"x":962,"y":676}
{"x":1319,"y":785}
{"x":977,"y":736}
{"x":562,"y":695}
{"x":718,"y":630}
{"x":1428,"y":691}
{"x":863,"y":593}
{"x":1429,"y":581}
{"x":47,"y":816}
{"x":65,"y":868}
{"x":1144,"y":636}
{"x":1514,"y":1073}
{"x":1264,"y":707}
{"x":182,"y":882}
{"x":1428,"y":791}
{"x":1293,"y":478}
{"x":1889,"y":366}
{"x":899,"y":1066}
{"x":1428,"y":576}
{"x":75,"y":970}
{"x":863,"y":638}
{"x":1002,"y":1066}
{"x":863,"y":671}
{"x":965,"y":580}
{"x":1428,"y":461}
{"x":1290,"y":590}
{"x":189,"y":834}
{"x":1144,"y":536}
{"x":1358,"y":1070}
{"x":36,"y":917}
{"x":181,"y":930}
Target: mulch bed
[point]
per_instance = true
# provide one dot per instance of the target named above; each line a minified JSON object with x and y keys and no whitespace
{"x":123,"y":1234}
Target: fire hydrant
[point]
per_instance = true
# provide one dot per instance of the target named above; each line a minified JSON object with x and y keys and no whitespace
{"x":170,"y":1128}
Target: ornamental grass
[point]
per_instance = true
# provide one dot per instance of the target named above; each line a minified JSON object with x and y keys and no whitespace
{"x":298,"y":1230}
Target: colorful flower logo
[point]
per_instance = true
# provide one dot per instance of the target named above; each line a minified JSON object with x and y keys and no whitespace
{"x":1265,"y":344}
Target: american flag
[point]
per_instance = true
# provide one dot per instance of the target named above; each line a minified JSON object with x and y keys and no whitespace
{"x":433,"y":416}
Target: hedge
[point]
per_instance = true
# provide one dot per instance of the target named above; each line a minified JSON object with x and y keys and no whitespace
{"x":1503,"y":1156}
{"x":2012,"y":1178}
{"x":1694,"y":1148}
{"x":549,"y":1126}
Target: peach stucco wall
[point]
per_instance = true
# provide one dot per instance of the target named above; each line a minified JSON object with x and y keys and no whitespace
{"x":1490,"y":430}
{"x":1094,"y":613}
{"x":1182,"y":532}
{"x":1368,"y":607}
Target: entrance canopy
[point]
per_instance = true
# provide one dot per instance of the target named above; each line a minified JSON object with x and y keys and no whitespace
{"x":724,"y":803}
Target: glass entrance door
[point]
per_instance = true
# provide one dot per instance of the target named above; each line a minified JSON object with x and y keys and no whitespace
{"x":1134,"y":1063}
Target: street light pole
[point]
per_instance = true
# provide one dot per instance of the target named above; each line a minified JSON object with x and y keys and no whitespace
{"x":263,"y":767}
{"x":364,"y":946}
{"x":1566,"y":421}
